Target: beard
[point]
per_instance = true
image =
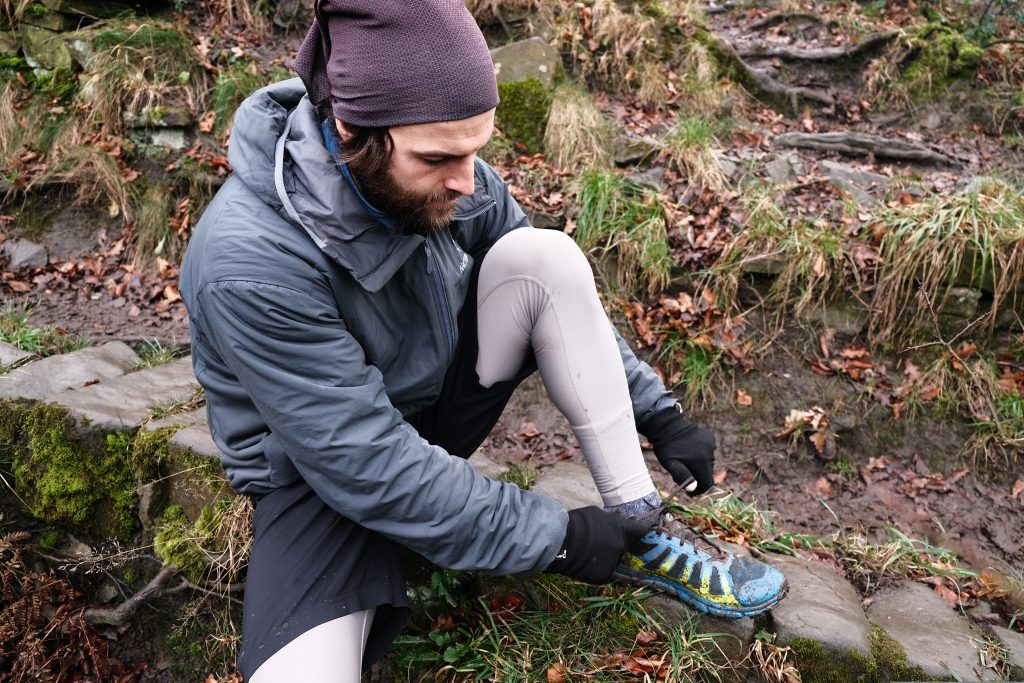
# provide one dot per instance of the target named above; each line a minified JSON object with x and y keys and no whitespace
{"x":415,"y":213}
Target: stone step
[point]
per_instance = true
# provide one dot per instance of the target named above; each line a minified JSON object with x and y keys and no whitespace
{"x":938,"y":643}
{"x":823,"y":608}
{"x":48,"y":377}
{"x":11,"y":356}
{"x":125,"y":402}
{"x":182,"y":420}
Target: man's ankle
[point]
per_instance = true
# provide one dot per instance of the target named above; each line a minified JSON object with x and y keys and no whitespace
{"x":641,"y":507}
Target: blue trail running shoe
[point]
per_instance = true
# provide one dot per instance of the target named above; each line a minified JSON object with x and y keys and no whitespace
{"x":675,"y":558}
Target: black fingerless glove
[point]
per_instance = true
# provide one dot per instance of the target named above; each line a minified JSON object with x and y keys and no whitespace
{"x":685,"y":450}
{"x":594,"y":543}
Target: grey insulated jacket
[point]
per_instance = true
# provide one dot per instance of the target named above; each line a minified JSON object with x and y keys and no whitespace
{"x":315,"y":330}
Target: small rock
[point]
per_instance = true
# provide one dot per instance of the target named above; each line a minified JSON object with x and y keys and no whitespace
{"x":530,"y":58}
{"x":160,"y":117}
{"x":291,"y":15}
{"x":846,"y":316}
{"x":25,"y":254}
{"x":653,"y":178}
{"x":544,"y":220}
{"x":103,"y":9}
{"x":152,"y":501}
{"x":780,"y":170}
{"x":107,"y":593}
{"x":727,"y":165}
{"x":935,"y":638}
{"x":570,"y":483}
{"x":632,"y":151}
{"x":51,"y":21}
{"x":961,"y":302}
{"x":764,"y":264}
{"x":73,"y":548}
{"x":865,"y":187}
{"x":175,"y":138}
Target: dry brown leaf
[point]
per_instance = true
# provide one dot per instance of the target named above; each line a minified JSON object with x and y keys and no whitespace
{"x":720,"y":476}
{"x":1018,"y":486}
{"x":556,"y":673}
{"x":823,"y":488}
{"x":951,"y":597}
{"x":646,"y":638}
{"x":818,"y":439}
{"x":743,"y":398}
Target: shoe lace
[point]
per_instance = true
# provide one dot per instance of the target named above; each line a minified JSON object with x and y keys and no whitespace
{"x":667,"y":523}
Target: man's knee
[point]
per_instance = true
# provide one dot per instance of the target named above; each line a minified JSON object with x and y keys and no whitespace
{"x":548,"y":256}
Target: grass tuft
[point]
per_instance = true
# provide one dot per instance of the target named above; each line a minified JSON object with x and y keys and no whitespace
{"x":974,"y":238}
{"x":688,"y":146}
{"x":578,"y":134}
{"x":621,"y":219}
{"x":16,"y":330}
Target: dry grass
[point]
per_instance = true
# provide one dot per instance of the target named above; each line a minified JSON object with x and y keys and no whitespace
{"x":139,"y":66}
{"x":688,"y":146}
{"x":578,"y":134}
{"x":882,"y":75}
{"x":93,"y":173}
{"x":975,"y":237}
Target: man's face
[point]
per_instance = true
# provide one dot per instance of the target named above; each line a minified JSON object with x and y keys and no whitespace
{"x":431,"y":166}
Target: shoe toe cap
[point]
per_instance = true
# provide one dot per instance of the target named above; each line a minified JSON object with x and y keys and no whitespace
{"x":765,"y":588}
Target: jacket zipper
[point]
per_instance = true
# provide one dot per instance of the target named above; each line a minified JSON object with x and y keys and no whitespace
{"x":442,"y":303}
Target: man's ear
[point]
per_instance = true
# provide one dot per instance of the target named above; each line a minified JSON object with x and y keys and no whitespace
{"x":344,"y":130}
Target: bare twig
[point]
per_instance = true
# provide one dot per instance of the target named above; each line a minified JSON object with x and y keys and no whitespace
{"x":781,"y":17}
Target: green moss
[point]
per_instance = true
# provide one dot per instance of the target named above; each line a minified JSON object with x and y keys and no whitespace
{"x":175,"y":544}
{"x":48,"y":539}
{"x":73,"y":478}
{"x":943,"y":56}
{"x":523,"y":112}
{"x":523,"y":477}
{"x":890,"y":659}
{"x":818,"y":665}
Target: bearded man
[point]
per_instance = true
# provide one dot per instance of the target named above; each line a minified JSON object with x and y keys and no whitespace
{"x":364,"y":297}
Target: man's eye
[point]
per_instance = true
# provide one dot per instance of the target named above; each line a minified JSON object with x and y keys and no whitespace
{"x":434,"y":162}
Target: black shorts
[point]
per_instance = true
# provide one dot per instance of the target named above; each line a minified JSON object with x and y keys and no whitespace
{"x":310,"y":565}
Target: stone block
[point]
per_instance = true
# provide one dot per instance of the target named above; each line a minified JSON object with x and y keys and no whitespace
{"x":45,"y":48}
{"x":174,"y":138}
{"x":10,"y":44}
{"x":961,"y":302}
{"x":124,"y":402}
{"x":1013,"y":643}
{"x":195,"y":477}
{"x":42,"y":17}
{"x":11,"y":355}
{"x":570,"y":483}
{"x":846,"y":316}
{"x":543,"y":219}
{"x":25,"y":254}
{"x":485,"y":466}
{"x":936,"y":639}
{"x":100,"y":9}
{"x":822,"y":619}
{"x":182,"y":420}
{"x":652,"y":178}
{"x":160,"y":117}
{"x":50,"y":376}
{"x":733,"y":636}
{"x":764,"y":264}
{"x":530,"y":58}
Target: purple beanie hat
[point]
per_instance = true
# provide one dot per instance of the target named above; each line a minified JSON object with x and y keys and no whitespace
{"x":395,"y":62}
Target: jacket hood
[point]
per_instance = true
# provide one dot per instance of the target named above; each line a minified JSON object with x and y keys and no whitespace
{"x":278,"y":151}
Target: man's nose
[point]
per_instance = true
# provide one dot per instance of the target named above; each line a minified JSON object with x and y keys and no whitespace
{"x":461,"y":177}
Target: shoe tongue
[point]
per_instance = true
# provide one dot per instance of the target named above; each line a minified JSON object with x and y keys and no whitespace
{"x":683,"y":531}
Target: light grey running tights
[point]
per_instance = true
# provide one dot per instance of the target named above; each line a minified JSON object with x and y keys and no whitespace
{"x":536,"y":291}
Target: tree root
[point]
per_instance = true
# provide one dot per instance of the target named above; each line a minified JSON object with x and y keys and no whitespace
{"x":776,"y":18}
{"x":758,"y":82}
{"x":862,"y":144}
{"x":123,"y":613}
{"x":824,"y":54}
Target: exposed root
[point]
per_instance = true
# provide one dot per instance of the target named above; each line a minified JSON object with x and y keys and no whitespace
{"x":761,"y":84}
{"x":824,"y":54}
{"x":123,"y":613}
{"x":776,"y":18}
{"x":862,"y":144}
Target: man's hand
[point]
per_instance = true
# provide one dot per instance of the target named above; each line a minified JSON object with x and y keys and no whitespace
{"x":594,"y":543}
{"x":685,"y":450}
